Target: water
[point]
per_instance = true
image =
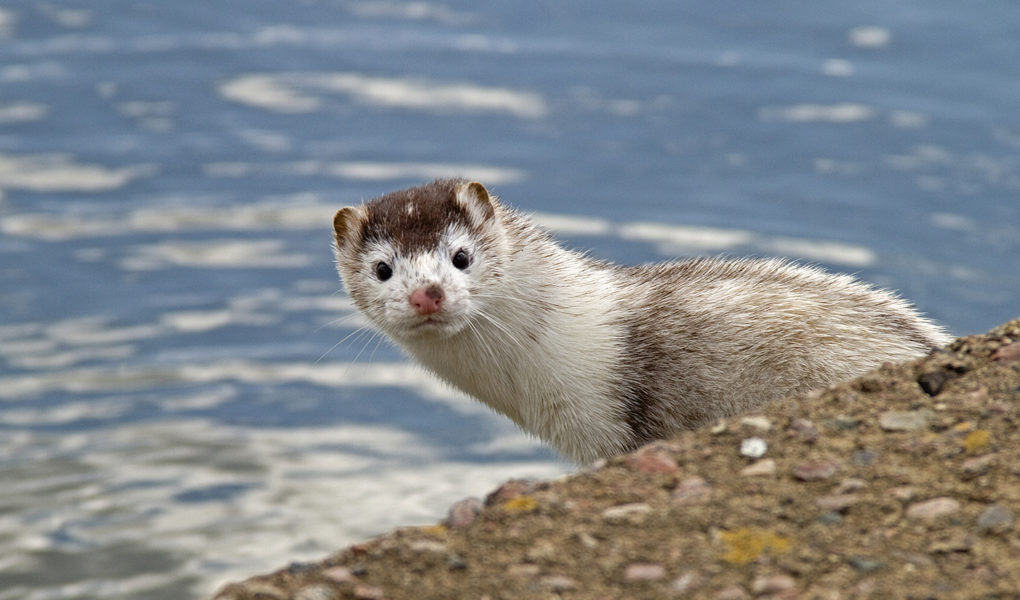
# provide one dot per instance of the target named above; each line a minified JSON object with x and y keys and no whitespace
{"x":175,"y":411}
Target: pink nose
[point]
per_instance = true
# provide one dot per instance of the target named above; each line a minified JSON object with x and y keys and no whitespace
{"x":427,"y":300}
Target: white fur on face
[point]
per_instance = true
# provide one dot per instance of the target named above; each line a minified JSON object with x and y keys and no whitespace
{"x":388,"y":305}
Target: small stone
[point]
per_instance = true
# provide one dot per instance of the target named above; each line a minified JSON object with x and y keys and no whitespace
{"x":757,"y":422}
{"x":914,"y":558}
{"x":587,"y":540}
{"x":692,"y":489}
{"x":1007,"y":354}
{"x":765,"y":466}
{"x":368,"y":592}
{"x":753,"y":447}
{"x":718,"y":428}
{"x":863,"y":458}
{"x":995,"y":519}
{"x":732,"y":592}
{"x":686,"y":582}
{"x":905,"y":493}
{"x":933,"y":509}
{"x":559,"y":583}
{"x":427,"y":546}
{"x":805,"y":430}
{"x":851,"y":484}
{"x":523,"y":570}
{"x":815,"y":471}
{"x":830,"y":518}
{"x":932,"y":382}
{"x":315,"y":592}
{"x":846,"y":422}
{"x":912,"y":420}
{"x":508,"y":491}
{"x":456,"y":562}
{"x":652,"y":462}
{"x":338,"y":574}
{"x":979,"y":465}
{"x":635,"y":512}
{"x":644,"y":572}
{"x":837,"y":502}
{"x":772,"y":584}
{"x":463,"y":513}
{"x":865,"y":564}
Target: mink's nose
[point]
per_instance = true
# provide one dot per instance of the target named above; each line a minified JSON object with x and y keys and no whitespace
{"x":427,"y":300}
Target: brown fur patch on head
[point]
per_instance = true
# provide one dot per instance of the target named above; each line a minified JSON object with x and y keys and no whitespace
{"x":415,"y":219}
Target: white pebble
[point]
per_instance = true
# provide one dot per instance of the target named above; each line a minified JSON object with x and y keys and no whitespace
{"x":754,"y":447}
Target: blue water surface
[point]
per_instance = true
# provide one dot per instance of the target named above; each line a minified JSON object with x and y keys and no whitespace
{"x":186,"y":394}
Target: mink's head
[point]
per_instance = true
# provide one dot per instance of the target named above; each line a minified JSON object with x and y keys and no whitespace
{"x":416,"y":261}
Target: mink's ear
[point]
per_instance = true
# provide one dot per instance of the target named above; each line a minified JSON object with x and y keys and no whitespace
{"x":477,"y":202}
{"x":345,"y":225}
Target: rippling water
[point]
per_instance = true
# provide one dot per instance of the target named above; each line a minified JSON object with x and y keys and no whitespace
{"x":175,"y":408}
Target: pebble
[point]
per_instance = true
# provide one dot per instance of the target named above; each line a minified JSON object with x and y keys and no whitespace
{"x":427,"y":546}
{"x":1007,"y":354}
{"x":757,"y":422}
{"x":851,"y":484}
{"x":865,"y":564}
{"x":772,"y":584}
{"x":995,"y":519}
{"x":905,"y":493}
{"x":686,"y":582}
{"x":754,"y":447}
{"x":587,"y":540}
{"x":766,"y":466}
{"x":509,"y":490}
{"x":692,"y":489}
{"x":718,"y":428}
{"x":523,"y":570}
{"x":845,"y":422}
{"x":892,"y":420}
{"x":932,"y":382}
{"x":559,"y":583}
{"x":979,"y":465}
{"x":863,"y":458}
{"x":627,"y":512}
{"x":463,"y":513}
{"x":316,"y":592}
{"x":368,"y":592}
{"x":653,"y":462}
{"x":805,"y":430}
{"x":732,"y":592}
{"x":933,"y":509}
{"x":644,"y":572}
{"x":837,"y":502}
{"x":338,"y":574}
{"x":815,"y":471}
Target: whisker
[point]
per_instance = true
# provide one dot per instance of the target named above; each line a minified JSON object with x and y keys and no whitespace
{"x":337,"y":321}
{"x":360,"y":330}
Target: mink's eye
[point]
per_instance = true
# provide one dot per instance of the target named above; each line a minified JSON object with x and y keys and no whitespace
{"x":383,"y":271}
{"x":461,"y":260}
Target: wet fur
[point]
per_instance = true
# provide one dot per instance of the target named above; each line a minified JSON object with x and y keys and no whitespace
{"x":597,"y":359}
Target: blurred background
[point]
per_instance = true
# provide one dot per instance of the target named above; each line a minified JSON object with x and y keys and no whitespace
{"x":185,"y":395}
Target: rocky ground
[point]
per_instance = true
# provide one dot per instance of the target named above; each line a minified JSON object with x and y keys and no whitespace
{"x":904,"y":483}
